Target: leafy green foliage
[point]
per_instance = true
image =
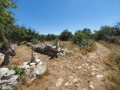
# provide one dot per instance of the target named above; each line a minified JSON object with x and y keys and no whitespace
{"x":87,"y":32}
{"x":6,"y":15}
{"x":18,"y":70}
{"x":81,"y":39}
{"x":108,"y":33}
{"x":42,"y":38}
{"x":114,"y":39}
{"x":50,"y":37}
{"x":65,"y":35}
{"x":78,"y":31}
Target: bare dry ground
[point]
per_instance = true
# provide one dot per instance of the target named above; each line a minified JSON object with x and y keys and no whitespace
{"x":23,"y":54}
{"x":74,"y":71}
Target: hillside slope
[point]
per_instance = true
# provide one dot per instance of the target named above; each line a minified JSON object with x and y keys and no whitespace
{"x":73,"y":72}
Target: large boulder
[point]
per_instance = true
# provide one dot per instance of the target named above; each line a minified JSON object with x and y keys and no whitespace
{"x":8,"y":79}
{"x":33,"y":68}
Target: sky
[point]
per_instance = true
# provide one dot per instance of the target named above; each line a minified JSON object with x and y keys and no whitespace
{"x":54,"y":16}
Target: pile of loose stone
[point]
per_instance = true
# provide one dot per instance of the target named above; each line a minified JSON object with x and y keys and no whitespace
{"x":33,"y":68}
{"x":52,"y":51}
{"x":9,"y":79}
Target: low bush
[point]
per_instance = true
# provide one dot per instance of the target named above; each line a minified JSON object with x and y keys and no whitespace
{"x":18,"y":70}
{"x":81,"y":39}
{"x":65,"y":35}
{"x":114,"y":39}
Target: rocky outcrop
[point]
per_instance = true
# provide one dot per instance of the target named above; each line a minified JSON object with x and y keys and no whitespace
{"x":33,"y":68}
{"x":8,"y":79}
{"x":49,"y":50}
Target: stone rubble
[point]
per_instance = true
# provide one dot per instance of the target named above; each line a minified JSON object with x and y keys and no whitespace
{"x":49,"y":50}
{"x":8,"y":79}
{"x":34,"y":68}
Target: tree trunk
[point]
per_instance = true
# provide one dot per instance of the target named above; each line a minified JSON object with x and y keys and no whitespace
{"x":7,"y":50}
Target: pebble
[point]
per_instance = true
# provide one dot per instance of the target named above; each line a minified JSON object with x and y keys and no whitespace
{"x":99,"y":76}
{"x":59,"y":82}
{"x":75,"y":80}
{"x":70,"y":77}
{"x":79,"y":67}
{"x":66,"y":84}
{"x":92,"y":73}
{"x":91,"y":86}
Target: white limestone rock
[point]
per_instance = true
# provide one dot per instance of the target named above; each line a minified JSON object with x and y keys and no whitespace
{"x":8,"y":79}
{"x":40,"y":70}
{"x":99,"y":76}
{"x":92,"y":86}
{"x":37,"y":61}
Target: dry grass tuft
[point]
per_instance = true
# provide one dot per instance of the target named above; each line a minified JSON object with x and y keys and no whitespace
{"x":92,"y":48}
{"x":114,"y":79}
{"x":85,"y":50}
{"x":113,"y":61}
{"x":23,"y":54}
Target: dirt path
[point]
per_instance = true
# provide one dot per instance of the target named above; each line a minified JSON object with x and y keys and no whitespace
{"x":73,"y":72}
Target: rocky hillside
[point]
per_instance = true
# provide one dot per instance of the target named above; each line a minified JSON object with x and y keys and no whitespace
{"x":74,"y":71}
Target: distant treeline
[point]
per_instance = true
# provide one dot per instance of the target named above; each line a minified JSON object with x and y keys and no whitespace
{"x":19,"y":34}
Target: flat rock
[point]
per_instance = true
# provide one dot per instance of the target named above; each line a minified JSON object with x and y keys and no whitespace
{"x":3,"y":71}
{"x":40,"y":70}
{"x":91,"y":86}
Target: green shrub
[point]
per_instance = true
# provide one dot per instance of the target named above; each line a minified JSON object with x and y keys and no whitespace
{"x":18,"y":70}
{"x":114,"y":39}
{"x":81,"y":39}
{"x":65,"y":35}
{"x":34,"y":41}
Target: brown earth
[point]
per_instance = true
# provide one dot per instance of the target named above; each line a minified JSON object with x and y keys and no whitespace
{"x":73,"y":72}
